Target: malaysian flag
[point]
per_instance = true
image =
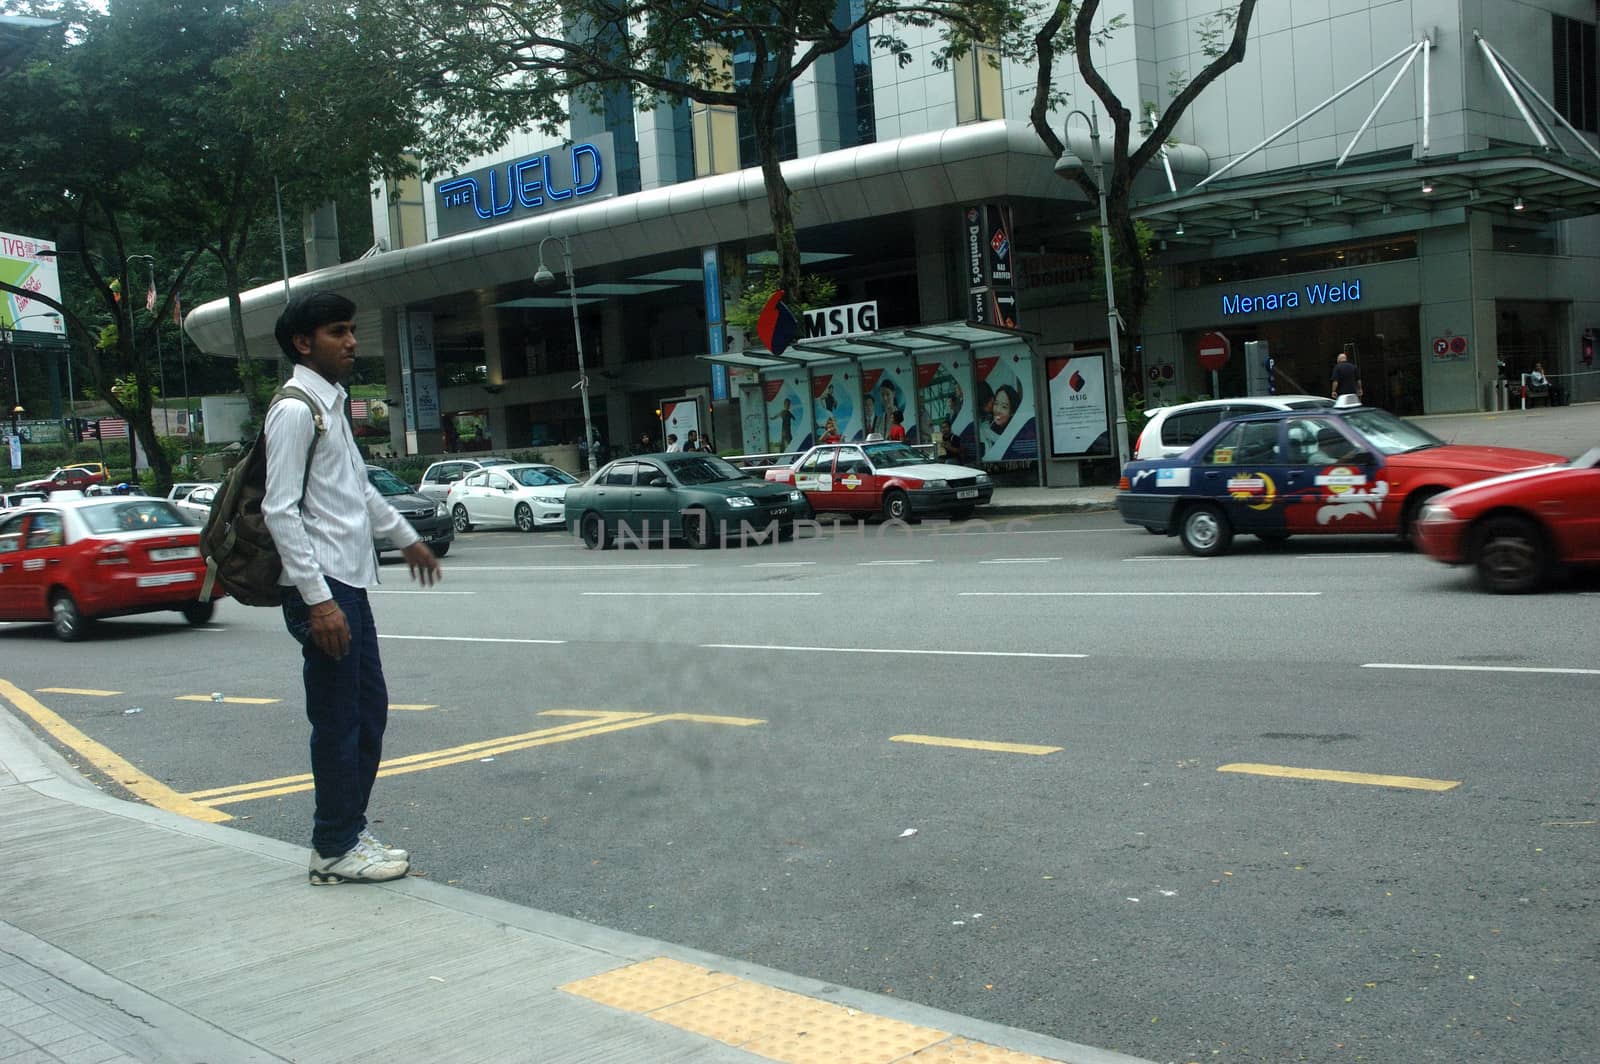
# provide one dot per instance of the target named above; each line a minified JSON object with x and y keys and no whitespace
{"x":358,"y":409}
{"x":113,"y":428}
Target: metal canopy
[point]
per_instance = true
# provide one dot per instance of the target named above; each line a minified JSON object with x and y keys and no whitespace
{"x":908,"y":340}
{"x":1520,"y":182}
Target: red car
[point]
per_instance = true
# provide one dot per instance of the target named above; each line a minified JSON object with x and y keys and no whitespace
{"x":885,"y":478}
{"x":67,"y":478}
{"x":1518,"y":529}
{"x":72,"y":562}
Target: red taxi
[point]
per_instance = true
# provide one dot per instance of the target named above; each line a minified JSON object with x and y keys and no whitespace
{"x":72,"y":562}
{"x":885,"y":478}
{"x":67,"y":478}
{"x":1517,"y":529}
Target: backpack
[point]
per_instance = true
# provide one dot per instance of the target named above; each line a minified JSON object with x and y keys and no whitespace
{"x":238,"y":549}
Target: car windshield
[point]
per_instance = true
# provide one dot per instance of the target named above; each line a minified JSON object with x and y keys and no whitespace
{"x":893,"y":455}
{"x":704,"y":470}
{"x":487,"y":462}
{"x":1310,"y":404}
{"x":387,"y":483}
{"x":541,"y":476}
{"x":1390,"y":434}
{"x":131,"y":516}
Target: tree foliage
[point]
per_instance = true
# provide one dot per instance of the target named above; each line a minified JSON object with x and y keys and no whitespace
{"x":486,"y":71}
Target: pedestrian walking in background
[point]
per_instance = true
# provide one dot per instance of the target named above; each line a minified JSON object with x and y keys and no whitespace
{"x":1346,"y":377}
{"x":323,"y":514}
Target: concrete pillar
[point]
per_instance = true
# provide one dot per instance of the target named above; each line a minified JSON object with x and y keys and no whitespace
{"x":1457,"y":273}
{"x":500,"y":430}
{"x":320,"y":226}
{"x":934,"y":233}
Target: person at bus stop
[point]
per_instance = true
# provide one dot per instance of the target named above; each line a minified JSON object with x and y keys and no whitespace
{"x":1538,"y":381}
{"x":897,"y":431}
{"x":1346,"y":377}
{"x":830,"y":432}
{"x":952,"y":446}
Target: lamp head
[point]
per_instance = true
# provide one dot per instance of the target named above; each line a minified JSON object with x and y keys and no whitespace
{"x":543,"y":278}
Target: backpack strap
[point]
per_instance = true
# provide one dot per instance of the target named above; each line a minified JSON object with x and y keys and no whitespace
{"x":290,"y":390}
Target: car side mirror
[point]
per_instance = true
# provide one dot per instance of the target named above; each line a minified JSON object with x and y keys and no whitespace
{"x":1364,"y":457}
{"x":659,"y":481}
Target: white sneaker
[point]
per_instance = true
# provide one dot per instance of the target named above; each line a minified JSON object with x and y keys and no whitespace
{"x":359,"y":864}
{"x":393,"y":853}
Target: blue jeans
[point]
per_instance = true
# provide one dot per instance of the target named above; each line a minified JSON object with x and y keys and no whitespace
{"x":347,"y":703}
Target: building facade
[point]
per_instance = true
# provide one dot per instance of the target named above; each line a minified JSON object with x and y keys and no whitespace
{"x":1411,"y":180}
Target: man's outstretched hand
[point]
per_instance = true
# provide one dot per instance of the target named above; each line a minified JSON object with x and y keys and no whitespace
{"x":424,"y":564}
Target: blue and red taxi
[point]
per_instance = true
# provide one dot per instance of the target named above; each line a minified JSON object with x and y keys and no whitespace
{"x":1521,"y":529}
{"x":1345,"y":470}
{"x":73,"y":561}
{"x":887,"y":478}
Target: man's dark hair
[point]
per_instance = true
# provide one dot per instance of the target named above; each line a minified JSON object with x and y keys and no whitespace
{"x":304,"y":313}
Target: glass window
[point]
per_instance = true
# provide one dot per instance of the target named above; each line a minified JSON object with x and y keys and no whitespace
{"x":11,"y":533}
{"x":1390,"y":434}
{"x":1181,"y":430}
{"x":542,"y":476}
{"x":979,"y":95}
{"x":1288,"y":261}
{"x":851,"y":460}
{"x":477,"y":480}
{"x":386,"y":483}
{"x":619,"y":475}
{"x":132,"y":516}
{"x":818,"y":460}
{"x":893,"y":455}
{"x":705,"y":469}
{"x":45,"y":530}
{"x":1573,"y":71}
{"x":499,"y":483}
{"x":1249,"y":443}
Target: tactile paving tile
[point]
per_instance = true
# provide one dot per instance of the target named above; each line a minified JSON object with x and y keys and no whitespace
{"x":794,"y":1028}
{"x":649,"y":985}
{"x":965,"y":1051}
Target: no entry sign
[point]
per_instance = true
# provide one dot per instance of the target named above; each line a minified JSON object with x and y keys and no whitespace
{"x":1214,"y":351}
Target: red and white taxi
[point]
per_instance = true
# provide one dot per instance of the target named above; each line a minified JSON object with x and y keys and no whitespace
{"x":72,"y":562}
{"x":885,"y":478}
{"x":1518,"y":529}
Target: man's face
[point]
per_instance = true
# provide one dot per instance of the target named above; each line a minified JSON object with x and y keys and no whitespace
{"x":330,"y":350}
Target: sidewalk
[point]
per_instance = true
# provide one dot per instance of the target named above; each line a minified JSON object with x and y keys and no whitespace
{"x":133,"y":934}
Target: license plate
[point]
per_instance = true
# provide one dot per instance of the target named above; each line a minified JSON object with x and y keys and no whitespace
{"x":967,"y":493}
{"x":172,"y":554}
{"x":163,"y":579}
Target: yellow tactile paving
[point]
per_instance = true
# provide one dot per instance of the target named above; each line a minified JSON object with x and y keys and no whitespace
{"x":777,"y":1024}
{"x":649,"y":985}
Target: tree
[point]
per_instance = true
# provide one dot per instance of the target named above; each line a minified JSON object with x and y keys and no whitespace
{"x":1070,"y":22}
{"x":486,"y":71}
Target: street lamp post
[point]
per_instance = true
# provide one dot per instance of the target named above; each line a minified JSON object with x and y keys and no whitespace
{"x":1113,"y":319}
{"x":543,"y":277}
{"x":161,"y":366}
{"x":11,"y":353}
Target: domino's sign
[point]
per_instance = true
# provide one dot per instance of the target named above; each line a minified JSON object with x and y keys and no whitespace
{"x":533,"y":184}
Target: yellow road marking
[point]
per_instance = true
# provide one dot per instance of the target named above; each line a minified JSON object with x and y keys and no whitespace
{"x":1417,"y":783}
{"x":151,"y":791}
{"x":237,"y":700}
{"x":598,"y":723}
{"x":92,"y":692}
{"x":415,"y":706}
{"x":776,"y":1024}
{"x":976,"y":744}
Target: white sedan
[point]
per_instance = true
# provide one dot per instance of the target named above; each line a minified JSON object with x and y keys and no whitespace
{"x":524,"y":496}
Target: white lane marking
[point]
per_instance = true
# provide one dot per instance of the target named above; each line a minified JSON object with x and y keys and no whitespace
{"x":430,"y":591}
{"x":1036,"y":531}
{"x":1342,"y":557}
{"x":208,"y":629}
{"x":1484,"y":668}
{"x":899,"y":561}
{"x":1165,"y":558}
{"x":774,"y":565}
{"x":1017,"y":561}
{"x":702,"y":594}
{"x":1139,"y":594}
{"x":471,"y":639}
{"x":532,"y":546}
{"x":888,"y":650}
{"x":567,"y":568}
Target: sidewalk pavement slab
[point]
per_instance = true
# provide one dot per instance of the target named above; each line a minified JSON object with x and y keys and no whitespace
{"x":133,"y":934}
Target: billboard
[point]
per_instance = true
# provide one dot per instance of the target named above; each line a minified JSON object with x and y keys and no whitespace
{"x":1080,"y":405}
{"x":23,"y":266}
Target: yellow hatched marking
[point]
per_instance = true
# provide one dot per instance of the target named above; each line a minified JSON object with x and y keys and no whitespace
{"x":416,"y":707}
{"x":92,"y":692}
{"x":114,"y":765}
{"x":598,"y":723}
{"x":976,"y":744}
{"x":777,"y":1024}
{"x":237,"y":700}
{"x":1416,"y":783}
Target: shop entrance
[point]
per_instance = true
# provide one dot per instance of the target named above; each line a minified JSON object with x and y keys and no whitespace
{"x":1385,"y":345}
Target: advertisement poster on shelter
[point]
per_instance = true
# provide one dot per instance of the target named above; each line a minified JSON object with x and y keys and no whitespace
{"x":788,"y":412}
{"x":837,"y":411}
{"x":943,"y":383}
{"x":679,"y":416}
{"x":1006,"y":424}
{"x":886,"y":391}
{"x":1080,"y":409}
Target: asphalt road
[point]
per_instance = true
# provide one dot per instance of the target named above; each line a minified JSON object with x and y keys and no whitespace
{"x":719,"y":749}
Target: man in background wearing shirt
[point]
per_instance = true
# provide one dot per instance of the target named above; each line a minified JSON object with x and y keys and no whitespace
{"x":1346,"y":377}
{"x":325,"y":539}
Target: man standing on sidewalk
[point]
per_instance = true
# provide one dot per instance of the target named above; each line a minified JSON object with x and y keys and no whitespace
{"x":323,"y":513}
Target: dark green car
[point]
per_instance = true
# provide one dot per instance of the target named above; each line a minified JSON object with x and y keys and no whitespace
{"x":697,"y":498}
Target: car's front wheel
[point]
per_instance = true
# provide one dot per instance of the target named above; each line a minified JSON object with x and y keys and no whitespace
{"x":1413,"y":513}
{"x":198,"y":613}
{"x":592,"y":531}
{"x":1511,"y":555}
{"x":524,"y":517}
{"x":1205,"y":532}
{"x":441,"y":549}
{"x":461,"y":519}
{"x":896,"y":506}
{"x":69,"y":622}
{"x":697,"y":529}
